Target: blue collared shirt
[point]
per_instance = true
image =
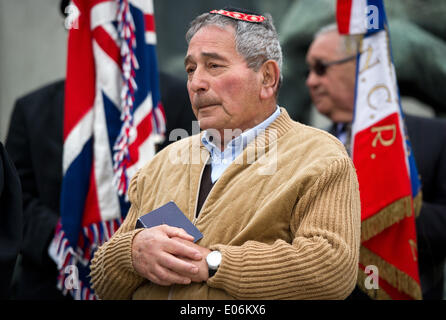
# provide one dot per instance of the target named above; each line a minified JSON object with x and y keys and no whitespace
{"x":220,"y":161}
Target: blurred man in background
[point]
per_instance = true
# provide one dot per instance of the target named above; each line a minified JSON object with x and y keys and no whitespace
{"x":331,"y":83}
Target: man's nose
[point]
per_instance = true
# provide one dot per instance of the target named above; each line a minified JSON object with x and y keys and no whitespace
{"x":198,"y":81}
{"x":312,"y":79}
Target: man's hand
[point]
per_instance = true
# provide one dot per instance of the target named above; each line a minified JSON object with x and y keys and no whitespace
{"x":203,"y":269}
{"x":156,"y":255}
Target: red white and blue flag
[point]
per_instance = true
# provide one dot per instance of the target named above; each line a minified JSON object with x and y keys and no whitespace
{"x":113,"y":119}
{"x":387,"y":174}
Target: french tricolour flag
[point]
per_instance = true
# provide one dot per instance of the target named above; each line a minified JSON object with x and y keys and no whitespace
{"x":387,"y":175}
{"x":113,"y":118}
{"x":360,"y":16}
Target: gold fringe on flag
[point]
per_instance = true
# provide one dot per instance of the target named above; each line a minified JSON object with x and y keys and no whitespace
{"x":417,"y":203}
{"x":393,"y":213}
{"x":395,"y":277}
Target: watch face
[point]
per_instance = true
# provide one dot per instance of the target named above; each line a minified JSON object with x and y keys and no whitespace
{"x":213,"y":259}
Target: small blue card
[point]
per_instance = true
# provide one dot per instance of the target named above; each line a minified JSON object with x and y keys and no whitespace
{"x":171,"y":215}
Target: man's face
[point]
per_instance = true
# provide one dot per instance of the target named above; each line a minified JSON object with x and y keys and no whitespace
{"x":224,"y":92}
{"x":333,"y":92}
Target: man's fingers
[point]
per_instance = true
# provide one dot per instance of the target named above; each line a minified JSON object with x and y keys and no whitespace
{"x":177,"y":232}
{"x":166,"y":277}
{"x":181,"y":249}
{"x":158,"y":253}
{"x":178,"y":265}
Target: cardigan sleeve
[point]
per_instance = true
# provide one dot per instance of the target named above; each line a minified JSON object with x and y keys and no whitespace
{"x":112,"y":273}
{"x":322,"y":260}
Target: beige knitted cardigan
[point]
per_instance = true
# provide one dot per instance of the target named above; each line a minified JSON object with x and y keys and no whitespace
{"x":285,"y":215}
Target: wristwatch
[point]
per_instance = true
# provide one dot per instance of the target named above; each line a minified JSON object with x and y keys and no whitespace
{"x":213,"y":260}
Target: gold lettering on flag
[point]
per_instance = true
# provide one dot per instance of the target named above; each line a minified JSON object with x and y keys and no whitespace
{"x":374,"y":89}
{"x":368,"y":59}
{"x":379,"y":137}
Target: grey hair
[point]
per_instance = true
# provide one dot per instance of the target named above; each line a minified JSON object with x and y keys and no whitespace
{"x":349,"y":44}
{"x":256,"y":42}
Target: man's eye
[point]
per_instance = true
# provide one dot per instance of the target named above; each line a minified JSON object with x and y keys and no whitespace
{"x":190,"y":70}
{"x":214,"y":65}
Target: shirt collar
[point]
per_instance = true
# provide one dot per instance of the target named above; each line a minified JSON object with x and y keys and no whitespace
{"x":238,"y":144}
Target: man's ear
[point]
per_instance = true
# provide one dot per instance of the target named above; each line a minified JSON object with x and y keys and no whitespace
{"x":270,"y":79}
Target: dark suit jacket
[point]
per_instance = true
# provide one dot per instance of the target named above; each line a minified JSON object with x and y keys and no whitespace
{"x":428,"y":139}
{"x":35,"y":143}
{"x":11,"y":221}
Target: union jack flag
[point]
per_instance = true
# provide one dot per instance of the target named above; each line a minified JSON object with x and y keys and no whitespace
{"x":113,"y":119}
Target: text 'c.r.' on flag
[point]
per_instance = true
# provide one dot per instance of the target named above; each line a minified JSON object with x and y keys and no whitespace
{"x":113,"y":119}
{"x":388,"y":179}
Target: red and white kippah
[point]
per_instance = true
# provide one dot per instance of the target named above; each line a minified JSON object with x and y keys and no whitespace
{"x":240,"y":16}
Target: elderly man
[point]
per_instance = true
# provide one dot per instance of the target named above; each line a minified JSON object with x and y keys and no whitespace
{"x":277,"y":202}
{"x":331,"y":83}
{"x":331,"y":80}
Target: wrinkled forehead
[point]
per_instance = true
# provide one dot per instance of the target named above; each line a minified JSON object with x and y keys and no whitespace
{"x":216,"y":30}
{"x":212,"y":39}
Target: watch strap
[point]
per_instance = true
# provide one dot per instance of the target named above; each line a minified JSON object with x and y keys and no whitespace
{"x":211,"y":272}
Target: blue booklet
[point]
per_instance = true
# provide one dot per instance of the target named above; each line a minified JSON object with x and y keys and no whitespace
{"x":171,"y":215}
